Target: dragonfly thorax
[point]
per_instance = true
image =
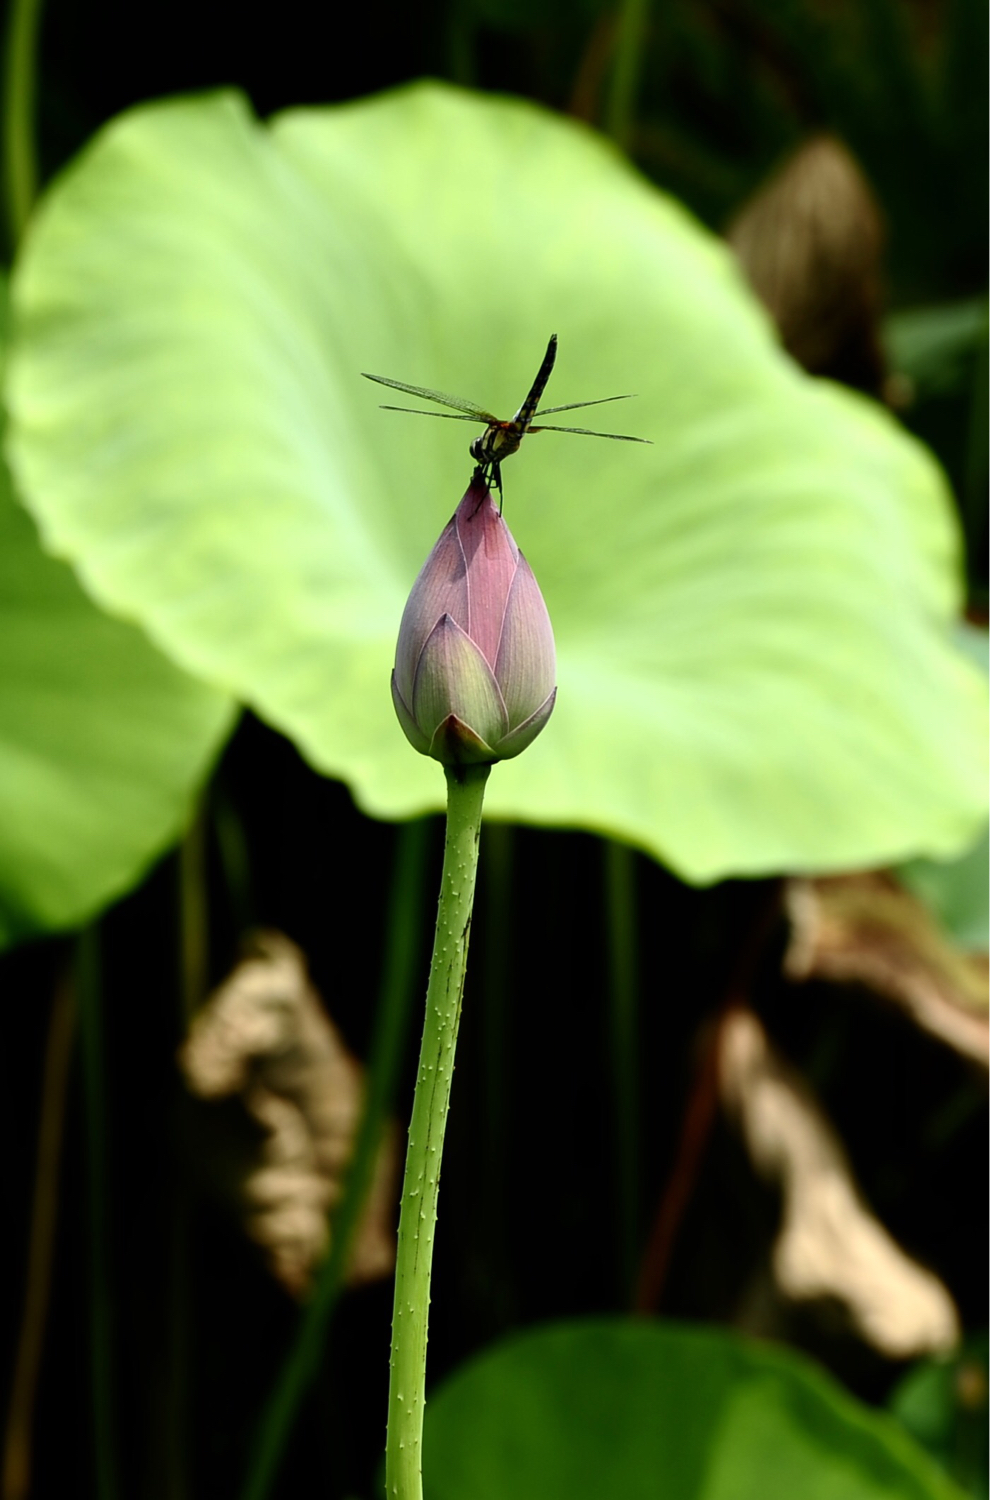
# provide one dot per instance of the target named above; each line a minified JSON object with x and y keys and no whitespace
{"x":494,"y":444}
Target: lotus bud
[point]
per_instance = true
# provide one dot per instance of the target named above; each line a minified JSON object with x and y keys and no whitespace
{"x":474,"y":665}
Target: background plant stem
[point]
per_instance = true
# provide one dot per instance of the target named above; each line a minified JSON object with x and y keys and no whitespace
{"x":418,"y":1216}
{"x":167,"y":1470}
{"x":629,"y":52}
{"x":621,"y":926}
{"x":194,"y":967}
{"x":498,"y":859}
{"x":20,"y":173}
{"x":90,"y":998}
{"x":400,"y":975}
{"x":41,"y":1245}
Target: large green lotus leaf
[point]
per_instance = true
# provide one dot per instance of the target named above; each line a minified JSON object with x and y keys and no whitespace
{"x":102,"y":741}
{"x":636,"y":1411}
{"x":755,"y":669}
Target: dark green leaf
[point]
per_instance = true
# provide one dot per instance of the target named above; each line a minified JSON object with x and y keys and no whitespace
{"x":637,"y":1411}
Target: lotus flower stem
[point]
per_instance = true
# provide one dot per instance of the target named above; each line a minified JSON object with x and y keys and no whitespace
{"x":418,"y":1214}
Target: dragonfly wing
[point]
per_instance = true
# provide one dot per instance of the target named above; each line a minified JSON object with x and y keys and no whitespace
{"x":619,"y":437}
{"x":446,"y":416}
{"x":468,"y":407}
{"x":547,"y":411}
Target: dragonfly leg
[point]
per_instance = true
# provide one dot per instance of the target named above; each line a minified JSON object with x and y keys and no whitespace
{"x":496,"y":480}
{"x":480,"y":479}
{"x":490,"y":475}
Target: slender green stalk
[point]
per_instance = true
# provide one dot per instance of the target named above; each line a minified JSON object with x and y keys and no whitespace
{"x":975,"y":455}
{"x":194,"y":923}
{"x":495,"y":990}
{"x":626,"y":70}
{"x":90,"y":997}
{"x":402,"y":952}
{"x":171,"y":1337}
{"x":235,"y":859}
{"x":460,"y":28}
{"x":41,"y":1245}
{"x":620,"y":903}
{"x":418,"y":1215}
{"x":20,"y":174}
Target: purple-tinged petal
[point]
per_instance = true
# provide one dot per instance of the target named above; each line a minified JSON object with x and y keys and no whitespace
{"x":525,"y":668}
{"x":526,"y":732}
{"x":490,"y":556}
{"x":455,"y":744}
{"x":411,"y":729}
{"x":441,"y":588}
{"x":454,"y":678}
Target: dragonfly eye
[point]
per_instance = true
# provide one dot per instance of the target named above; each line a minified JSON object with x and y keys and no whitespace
{"x":476,"y":451}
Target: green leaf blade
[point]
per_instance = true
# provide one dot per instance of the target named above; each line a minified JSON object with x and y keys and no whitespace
{"x":103,"y":742}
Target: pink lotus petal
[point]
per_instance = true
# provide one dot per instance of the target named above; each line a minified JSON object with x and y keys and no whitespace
{"x":411,"y":729}
{"x":526,"y":733}
{"x":453,"y":677}
{"x":525,"y":667}
{"x":490,"y":556}
{"x":441,"y":588}
{"x":455,"y":744}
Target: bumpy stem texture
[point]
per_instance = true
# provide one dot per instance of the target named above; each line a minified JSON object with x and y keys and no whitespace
{"x":418,"y":1215}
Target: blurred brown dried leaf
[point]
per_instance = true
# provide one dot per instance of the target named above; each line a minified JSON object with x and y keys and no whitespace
{"x":810,"y":243}
{"x":866,"y":929}
{"x":265,"y":1038}
{"x":830,"y":1246}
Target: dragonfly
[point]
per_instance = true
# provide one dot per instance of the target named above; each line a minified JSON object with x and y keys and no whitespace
{"x":501,"y":439}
